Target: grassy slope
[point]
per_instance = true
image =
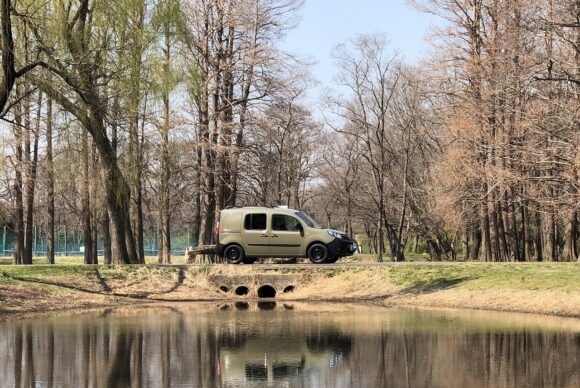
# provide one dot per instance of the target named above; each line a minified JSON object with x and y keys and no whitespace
{"x":550,"y":288}
{"x":75,"y":260}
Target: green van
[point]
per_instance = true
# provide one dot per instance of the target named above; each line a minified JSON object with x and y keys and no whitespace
{"x":245,"y":234}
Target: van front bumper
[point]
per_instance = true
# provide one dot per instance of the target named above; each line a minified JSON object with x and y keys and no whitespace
{"x":341,"y":248}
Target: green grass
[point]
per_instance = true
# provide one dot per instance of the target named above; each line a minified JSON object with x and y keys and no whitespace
{"x":38,"y":271}
{"x":480,"y":276}
{"x":76,"y":260}
{"x":367,"y":257}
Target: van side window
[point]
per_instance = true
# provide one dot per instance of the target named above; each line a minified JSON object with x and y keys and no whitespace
{"x":281,"y":222}
{"x":255,"y":222}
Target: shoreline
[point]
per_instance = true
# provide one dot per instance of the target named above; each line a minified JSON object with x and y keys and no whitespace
{"x":547,"y":289}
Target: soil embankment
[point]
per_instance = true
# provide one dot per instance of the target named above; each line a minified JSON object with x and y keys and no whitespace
{"x":536,"y":288}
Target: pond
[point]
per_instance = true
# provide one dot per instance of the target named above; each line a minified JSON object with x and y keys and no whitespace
{"x":289,"y":345}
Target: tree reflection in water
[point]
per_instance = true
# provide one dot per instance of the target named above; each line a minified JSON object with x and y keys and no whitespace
{"x":244,"y":345}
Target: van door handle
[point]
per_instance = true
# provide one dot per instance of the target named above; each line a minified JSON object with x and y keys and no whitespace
{"x":263,"y":235}
{"x":274,"y":235}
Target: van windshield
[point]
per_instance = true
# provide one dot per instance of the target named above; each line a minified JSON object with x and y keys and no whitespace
{"x":309,"y":220}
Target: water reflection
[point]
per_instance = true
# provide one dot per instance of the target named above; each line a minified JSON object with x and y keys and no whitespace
{"x":285,"y":345}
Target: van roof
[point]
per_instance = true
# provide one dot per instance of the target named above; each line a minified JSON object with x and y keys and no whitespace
{"x":263,"y":208}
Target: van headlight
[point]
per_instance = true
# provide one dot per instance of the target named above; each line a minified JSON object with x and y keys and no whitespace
{"x":335,"y":233}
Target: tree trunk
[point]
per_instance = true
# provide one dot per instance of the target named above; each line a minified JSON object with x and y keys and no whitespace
{"x":136,"y":180}
{"x":493,"y":231}
{"x":512,"y":228}
{"x":486,"y":234}
{"x":106,"y":225}
{"x":474,"y":254}
{"x":18,"y":185}
{"x":415,"y":244}
{"x":198,"y":195}
{"x":166,"y":238}
{"x":207,"y":192}
{"x":526,"y":237}
{"x":118,"y":197}
{"x":8,"y":55}
{"x":94,"y":207}
{"x":571,"y":235}
{"x":380,"y":231}
{"x":400,"y":249}
{"x":501,"y":215}
{"x":86,"y":204}
{"x":26,"y":169}
{"x":245,"y":95}
{"x":135,"y":59}
{"x":217,"y":115}
{"x":109,"y":246}
{"x":31,"y":168}
{"x":434,"y":249}
{"x":138,"y":216}
{"x":548,"y":237}
{"x":538,"y":235}
{"x":160,"y":235}
{"x":465,"y":243}
{"x":136,"y":177}
{"x":164,"y":208}
{"x":50,"y":189}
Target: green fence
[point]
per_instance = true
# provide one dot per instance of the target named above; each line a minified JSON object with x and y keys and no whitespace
{"x":70,"y":243}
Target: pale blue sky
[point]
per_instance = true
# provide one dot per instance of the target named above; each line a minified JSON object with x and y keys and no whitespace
{"x":325,"y":23}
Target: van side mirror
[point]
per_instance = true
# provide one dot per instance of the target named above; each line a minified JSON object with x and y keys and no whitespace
{"x":300,"y":229}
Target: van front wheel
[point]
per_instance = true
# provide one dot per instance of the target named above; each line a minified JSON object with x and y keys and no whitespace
{"x":318,"y":253}
{"x":234,"y":254}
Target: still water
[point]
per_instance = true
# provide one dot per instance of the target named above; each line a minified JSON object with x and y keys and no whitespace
{"x":289,"y":345}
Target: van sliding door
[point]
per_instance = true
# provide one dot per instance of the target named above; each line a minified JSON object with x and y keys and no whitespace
{"x":285,"y":238}
{"x":255,"y":235}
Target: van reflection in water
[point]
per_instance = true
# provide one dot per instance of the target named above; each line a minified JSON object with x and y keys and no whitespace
{"x":277,"y":359}
{"x":289,"y":345}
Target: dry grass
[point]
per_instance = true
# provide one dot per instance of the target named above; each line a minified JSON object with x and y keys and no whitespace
{"x":77,"y":260}
{"x":552,"y":288}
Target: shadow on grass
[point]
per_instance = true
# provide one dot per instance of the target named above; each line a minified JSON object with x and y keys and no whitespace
{"x":107,"y":290}
{"x":77,"y":288}
{"x":70,"y":286}
{"x":178,"y":283}
{"x":434,"y":285}
{"x":102,"y":281}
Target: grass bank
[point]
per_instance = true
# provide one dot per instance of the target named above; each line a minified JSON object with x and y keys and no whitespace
{"x":77,"y":260}
{"x":546,"y":288}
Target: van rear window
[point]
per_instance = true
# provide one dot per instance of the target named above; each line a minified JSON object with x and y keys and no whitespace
{"x":255,"y":222}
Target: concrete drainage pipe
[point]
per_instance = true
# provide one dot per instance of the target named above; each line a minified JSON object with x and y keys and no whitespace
{"x":242,"y":290}
{"x":266,"y":291}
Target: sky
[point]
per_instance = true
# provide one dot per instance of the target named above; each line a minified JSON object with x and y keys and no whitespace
{"x":323,"y":24}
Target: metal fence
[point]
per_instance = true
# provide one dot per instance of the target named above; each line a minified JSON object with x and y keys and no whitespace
{"x":100,"y":252}
{"x":71,"y":244}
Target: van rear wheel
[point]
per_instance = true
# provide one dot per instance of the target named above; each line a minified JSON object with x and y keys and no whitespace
{"x":318,"y":253}
{"x":234,"y":254}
